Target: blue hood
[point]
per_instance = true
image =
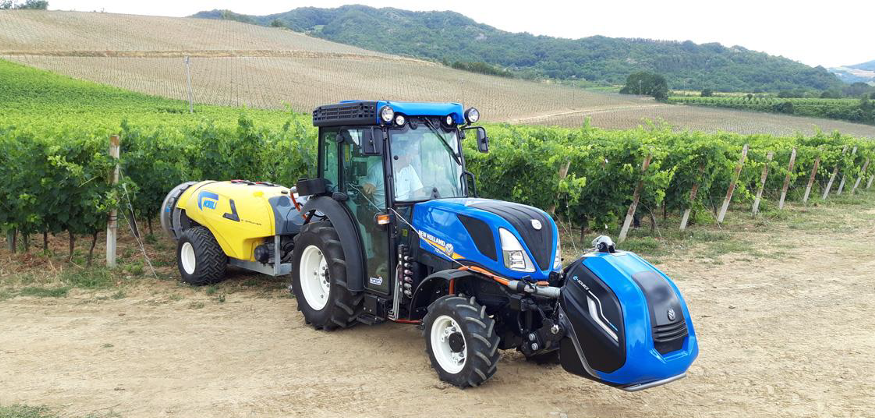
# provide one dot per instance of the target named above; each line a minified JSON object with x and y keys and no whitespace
{"x":467,"y":230}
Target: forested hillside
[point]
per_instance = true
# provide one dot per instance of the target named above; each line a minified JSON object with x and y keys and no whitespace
{"x":452,"y":37}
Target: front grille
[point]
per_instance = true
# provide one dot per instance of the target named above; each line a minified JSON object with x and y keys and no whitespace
{"x":670,"y":337}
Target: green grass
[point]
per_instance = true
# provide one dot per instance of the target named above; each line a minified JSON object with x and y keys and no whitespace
{"x":719,"y":248}
{"x":42,"y":292}
{"x":24,"y":411}
{"x":93,"y":278}
{"x":32,"y":95}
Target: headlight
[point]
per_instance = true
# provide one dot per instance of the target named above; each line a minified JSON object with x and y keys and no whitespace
{"x":512,"y":252}
{"x":472,"y":115}
{"x":399,"y":120}
{"x":386,"y":114}
{"x":558,"y":261}
{"x":448,"y":120}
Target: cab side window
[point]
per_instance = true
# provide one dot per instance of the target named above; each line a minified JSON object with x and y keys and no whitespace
{"x":329,"y":155}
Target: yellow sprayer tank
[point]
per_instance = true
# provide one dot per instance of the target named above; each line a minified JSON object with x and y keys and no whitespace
{"x":240,"y":214}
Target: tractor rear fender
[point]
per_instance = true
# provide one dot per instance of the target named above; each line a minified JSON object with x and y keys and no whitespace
{"x":433,"y":287}
{"x":348,"y":233}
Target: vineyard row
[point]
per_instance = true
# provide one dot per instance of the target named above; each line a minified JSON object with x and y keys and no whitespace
{"x":56,"y":178}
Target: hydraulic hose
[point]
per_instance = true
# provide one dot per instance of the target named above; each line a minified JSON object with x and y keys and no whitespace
{"x":539,"y":288}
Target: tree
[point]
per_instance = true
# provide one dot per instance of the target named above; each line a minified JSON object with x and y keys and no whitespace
{"x":784,"y":107}
{"x":858,"y":89}
{"x":645,"y":83}
{"x":831,"y":94}
{"x":277,"y":23}
{"x":27,"y":5}
{"x":706,"y":93}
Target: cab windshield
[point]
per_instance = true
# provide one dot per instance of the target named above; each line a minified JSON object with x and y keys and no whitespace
{"x":426,"y":161}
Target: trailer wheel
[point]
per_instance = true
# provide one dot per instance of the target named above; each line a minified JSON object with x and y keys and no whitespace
{"x":461,"y":341}
{"x":319,"y":279}
{"x":199,"y":257}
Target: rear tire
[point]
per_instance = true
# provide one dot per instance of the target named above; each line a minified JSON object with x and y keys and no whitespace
{"x":199,"y":257}
{"x":319,"y":279}
{"x":461,"y":341}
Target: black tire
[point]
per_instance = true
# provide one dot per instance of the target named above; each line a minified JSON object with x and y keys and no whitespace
{"x":210,"y":260}
{"x":481,"y":344}
{"x":342,"y":307}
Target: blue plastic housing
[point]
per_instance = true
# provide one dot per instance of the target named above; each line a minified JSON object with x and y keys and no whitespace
{"x":643,"y":362}
{"x":439,"y":221}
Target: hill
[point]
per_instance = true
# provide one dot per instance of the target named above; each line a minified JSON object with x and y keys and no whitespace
{"x":858,"y":73}
{"x":450,"y":37}
{"x":237,"y":64}
{"x":867,"y":66}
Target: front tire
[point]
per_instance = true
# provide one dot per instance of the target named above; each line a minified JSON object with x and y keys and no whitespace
{"x":319,"y":279}
{"x":199,"y":257}
{"x":461,"y":341}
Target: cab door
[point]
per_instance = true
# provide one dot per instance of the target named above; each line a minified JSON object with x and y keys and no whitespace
{"x":362,"y":179}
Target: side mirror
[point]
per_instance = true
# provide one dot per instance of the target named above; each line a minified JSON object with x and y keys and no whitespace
{"x":483,"y":141}
{"x":372,"y":141}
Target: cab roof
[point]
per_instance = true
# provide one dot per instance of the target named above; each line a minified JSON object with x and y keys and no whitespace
{"x":361,"y":112}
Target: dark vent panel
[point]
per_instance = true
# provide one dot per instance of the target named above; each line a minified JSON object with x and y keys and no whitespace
{"x":346,"y":114}
{"x":482,"y":236}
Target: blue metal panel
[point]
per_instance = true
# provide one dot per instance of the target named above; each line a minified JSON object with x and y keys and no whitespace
{"x":643,"y":363}
{"x":438,"y":221}
{"x":422,"y":109}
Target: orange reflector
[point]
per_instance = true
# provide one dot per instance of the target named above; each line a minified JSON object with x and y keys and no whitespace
{"x":383,"y":219}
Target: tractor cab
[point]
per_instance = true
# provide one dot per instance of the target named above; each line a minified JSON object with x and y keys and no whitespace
{"x":380,"y":165}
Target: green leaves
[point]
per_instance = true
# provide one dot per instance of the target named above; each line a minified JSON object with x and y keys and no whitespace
{"x":605,"y":167}
{"x":55,"y":165}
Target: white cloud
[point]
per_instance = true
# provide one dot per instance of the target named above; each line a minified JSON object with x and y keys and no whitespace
{"x":815,"y":33}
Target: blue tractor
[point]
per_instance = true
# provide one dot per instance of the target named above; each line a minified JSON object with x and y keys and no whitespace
{"x":392,"y":228}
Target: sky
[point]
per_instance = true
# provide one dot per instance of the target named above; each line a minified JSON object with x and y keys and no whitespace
{"x":814,"y":33}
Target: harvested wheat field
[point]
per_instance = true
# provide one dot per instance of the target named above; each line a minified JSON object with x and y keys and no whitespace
{"x":239,"y":64}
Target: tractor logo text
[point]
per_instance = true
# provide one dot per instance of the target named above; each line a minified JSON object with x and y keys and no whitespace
{"x":207,"y":200}
{"x":438,"y":243}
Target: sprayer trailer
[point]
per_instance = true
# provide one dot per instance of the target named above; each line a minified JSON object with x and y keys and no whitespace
{"x":392,"y":229}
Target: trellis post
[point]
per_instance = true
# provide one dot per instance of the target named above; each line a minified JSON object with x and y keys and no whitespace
{"x":112,"y":224}
{"x":811,"y":178}
{"x":839,"y":191}
{"x":763,"y":177}
{"x":693,"y":196}
{"x":833,"y":175}
{"x":11,"y":236}
{"x":787,"y":179}
{"x":861,"y":175}
{"x":632,"y":211}
{"x":564,"y":171}
{"x":732,"y":187}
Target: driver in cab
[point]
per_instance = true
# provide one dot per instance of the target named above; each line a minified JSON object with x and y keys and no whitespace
{"x":408,"y":185}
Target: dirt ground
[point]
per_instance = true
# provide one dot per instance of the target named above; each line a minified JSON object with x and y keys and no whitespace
{"x":784,"y":314}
